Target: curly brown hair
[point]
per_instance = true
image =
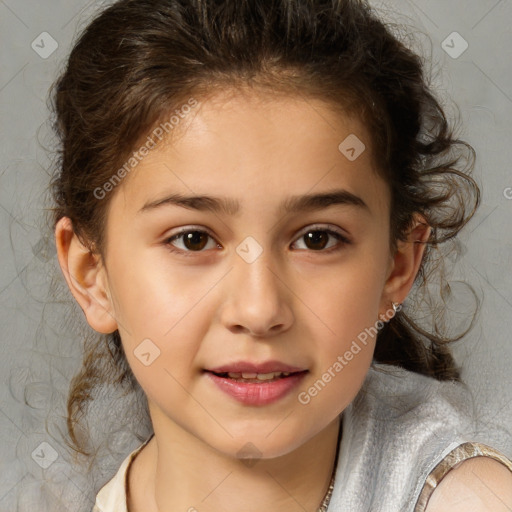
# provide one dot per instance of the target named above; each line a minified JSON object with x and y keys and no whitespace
{"x":138,"y":60}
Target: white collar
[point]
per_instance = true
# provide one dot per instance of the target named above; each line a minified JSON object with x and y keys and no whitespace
{"x":112,"y":496}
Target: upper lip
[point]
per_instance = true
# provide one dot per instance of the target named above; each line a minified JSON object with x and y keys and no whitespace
{"x":248,"y":367}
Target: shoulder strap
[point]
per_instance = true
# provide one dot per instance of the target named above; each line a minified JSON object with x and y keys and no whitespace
{"x":462,"y":452}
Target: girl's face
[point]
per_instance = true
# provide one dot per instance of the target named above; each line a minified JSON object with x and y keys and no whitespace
{"x":261,"y":276}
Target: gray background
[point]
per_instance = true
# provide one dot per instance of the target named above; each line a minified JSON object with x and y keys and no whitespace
{"x":40,"y":337}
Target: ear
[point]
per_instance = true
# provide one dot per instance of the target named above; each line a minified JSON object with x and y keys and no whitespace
{"x":404,"y":265}
{"x":86,"y":278}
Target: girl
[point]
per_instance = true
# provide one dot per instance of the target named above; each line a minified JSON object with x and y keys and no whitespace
{"x":247,"y":193}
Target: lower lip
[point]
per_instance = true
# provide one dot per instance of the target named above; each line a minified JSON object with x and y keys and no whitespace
{"x":255,"y":393}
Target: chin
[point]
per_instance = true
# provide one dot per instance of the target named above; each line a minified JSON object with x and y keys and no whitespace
{"x":262,"y":444}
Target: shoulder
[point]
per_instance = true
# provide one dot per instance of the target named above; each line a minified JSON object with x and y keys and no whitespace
{"x":479,"y":484}
{"x":418,"y":431}
{"x":403,"y":402}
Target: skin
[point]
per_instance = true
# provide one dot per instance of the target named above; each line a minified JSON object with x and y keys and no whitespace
{"x":294,"y":303}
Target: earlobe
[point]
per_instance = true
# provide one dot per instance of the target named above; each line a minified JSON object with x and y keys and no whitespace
{"x":406,"y":262}
{"x":86,"y":278}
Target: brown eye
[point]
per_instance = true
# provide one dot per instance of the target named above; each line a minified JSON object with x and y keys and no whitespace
{"x":192,"y":240}
{"x":316,"y":240}
{"x":195,"y":240}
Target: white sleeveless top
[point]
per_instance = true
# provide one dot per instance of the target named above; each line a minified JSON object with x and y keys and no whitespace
{"x":400,"y":436}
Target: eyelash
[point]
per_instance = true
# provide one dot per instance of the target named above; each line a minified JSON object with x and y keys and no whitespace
{"x":341,"y":238}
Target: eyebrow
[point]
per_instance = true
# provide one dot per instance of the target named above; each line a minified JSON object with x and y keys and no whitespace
{"x":231,"y":207}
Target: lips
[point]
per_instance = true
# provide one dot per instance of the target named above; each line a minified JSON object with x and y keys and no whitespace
{"x":256,"y":384}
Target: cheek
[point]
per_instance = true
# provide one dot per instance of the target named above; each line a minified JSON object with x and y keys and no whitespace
{"x":347,"y":306}
{"x":153,"y":296}
{"x":344,"y":351}
{"x":161,"y":322}
{"x":347,"y":299}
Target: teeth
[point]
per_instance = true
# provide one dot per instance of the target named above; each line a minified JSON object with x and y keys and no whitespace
{"x":258,"y":376}
{"x":268,"y":376}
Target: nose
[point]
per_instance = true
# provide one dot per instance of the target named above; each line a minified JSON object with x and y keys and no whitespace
{"x":257,"y":298}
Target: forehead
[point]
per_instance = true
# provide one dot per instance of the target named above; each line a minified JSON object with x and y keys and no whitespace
{"x":258,"y":147}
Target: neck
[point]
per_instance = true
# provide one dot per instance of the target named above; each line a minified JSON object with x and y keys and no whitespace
{"x":177,"y":471}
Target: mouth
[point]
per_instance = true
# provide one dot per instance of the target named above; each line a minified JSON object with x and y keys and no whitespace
{"x":256,"y":385}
